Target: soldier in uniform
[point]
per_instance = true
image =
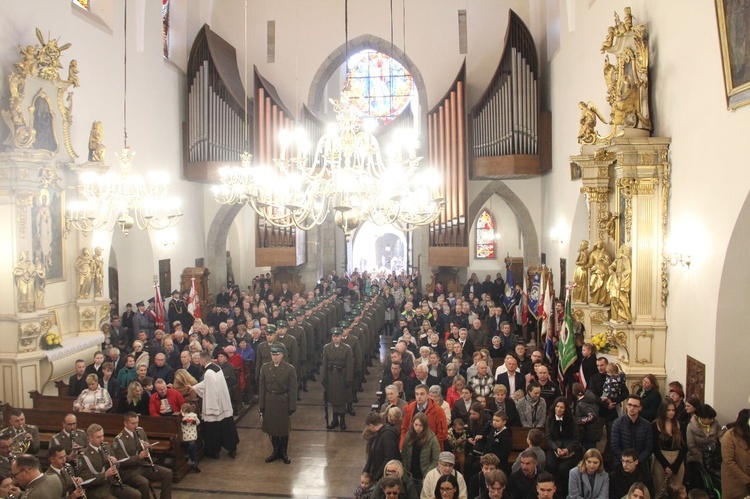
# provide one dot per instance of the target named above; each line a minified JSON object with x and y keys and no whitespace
{"x":21,"y":431}
{"x":137,"y":467}
{"x":319,"y":334}
{"x":298,"y":332}
{"x":5,"y":456}
{"x":353,"y":342}
{"x":277,"y":386}
{"x":63,"y":471}
{"x":309,"y":333}
{"x":97,"y":462}
{"x":338,"y":373}
{"x":292,"y":347}
{"x":70,"y":438}
{"x":26,"y":472}
{"x":263,"y":354}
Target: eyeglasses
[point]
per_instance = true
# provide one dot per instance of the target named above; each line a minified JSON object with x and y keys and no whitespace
{"x":391,"y":494}
{"x":447,"y":489}
{"x":14,"y":475}
{"x":627,"y":461}
{"x":634,"y":406}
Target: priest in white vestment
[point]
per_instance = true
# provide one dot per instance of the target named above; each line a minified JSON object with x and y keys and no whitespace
{"x":218,"y":425}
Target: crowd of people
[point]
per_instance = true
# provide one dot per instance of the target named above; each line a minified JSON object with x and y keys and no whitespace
{"x":460,"y":380}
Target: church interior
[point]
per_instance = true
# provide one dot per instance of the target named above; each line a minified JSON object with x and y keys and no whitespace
{"x":189,"y":85}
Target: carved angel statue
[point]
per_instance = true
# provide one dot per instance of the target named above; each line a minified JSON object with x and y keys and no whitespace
{"x":96,"y":147}
{"x":98,"y":268}
{"x":619,"y":286}
{"x":587,"y":124}
{"x":85,"y":270}
{"x":23,"y":276}
{"x":598,"y":266}
{"x":40,"y":281}
{"x":581,"y":275}
{"x":73,"y":73}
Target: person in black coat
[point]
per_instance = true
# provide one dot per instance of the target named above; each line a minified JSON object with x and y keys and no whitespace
{"x":504,"y":378}
{"x":499,"y":440}
{"x":502,"y":402}
{"x":382,"y":446}
{"x":564,"y":442}
{"x":628,"y":472}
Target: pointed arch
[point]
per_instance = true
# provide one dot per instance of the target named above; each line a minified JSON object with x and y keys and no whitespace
{"x":484,"y":235}
{"x":216,"y":243}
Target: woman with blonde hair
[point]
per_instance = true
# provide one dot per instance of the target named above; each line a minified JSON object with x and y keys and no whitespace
{"x":589,"y":480}
{"x":638,"y":491}
{"x":94,"y":398}
{"x":183,"y":380}
{"x":141,"y":357}
{"x":136,"y":399}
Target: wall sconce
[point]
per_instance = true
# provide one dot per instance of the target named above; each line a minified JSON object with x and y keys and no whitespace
{"x":678,"y":258}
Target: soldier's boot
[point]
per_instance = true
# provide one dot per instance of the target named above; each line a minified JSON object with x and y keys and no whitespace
{"x":343,"y":421}
{"x":335,"y":422}
{"x":350,"y":410}
{"x":275,"y":441}
{"x":304,"y":386}
{"x":282,"y":448}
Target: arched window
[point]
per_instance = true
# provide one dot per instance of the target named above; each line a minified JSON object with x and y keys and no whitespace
{"x":485,"y":247}
{"x":386,"y":87}
{"x":165,"y":27}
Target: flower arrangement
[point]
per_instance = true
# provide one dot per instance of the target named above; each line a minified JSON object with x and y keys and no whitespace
{"x":52,"y":339}
{"x":601,"y":343}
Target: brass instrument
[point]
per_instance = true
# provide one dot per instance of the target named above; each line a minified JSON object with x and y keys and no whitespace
{"x":117,"y":477}
{"x":69,"y":470}
{"x":145,"y":446}
{"x":20,"y":443}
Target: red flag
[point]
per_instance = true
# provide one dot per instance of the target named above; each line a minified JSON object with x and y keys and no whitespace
{"x":194,"y":305}
{"x":158,"y":308}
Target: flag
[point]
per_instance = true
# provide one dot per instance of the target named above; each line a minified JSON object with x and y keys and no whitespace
{"x":566,"y":347}
{"x":194,"y":302}
{"x":545,"y":313}
{"x":533,"y":296}
{"x":509,"y":297}
{"x":524,"y":303}
{"x":158,"y":307}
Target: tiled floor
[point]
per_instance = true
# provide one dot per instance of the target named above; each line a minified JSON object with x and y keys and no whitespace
{"x":325,"y":464}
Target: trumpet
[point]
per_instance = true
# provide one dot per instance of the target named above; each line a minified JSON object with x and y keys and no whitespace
{"x":69,"y":470}
{"x":117,"y":477}
{"x":145,"y":446}
{"x":20,"y":443}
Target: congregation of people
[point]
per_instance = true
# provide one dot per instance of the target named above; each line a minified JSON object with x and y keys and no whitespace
{"x":465,"y":373}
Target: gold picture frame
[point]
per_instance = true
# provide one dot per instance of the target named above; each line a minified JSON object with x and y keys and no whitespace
{"x":732,"y":16}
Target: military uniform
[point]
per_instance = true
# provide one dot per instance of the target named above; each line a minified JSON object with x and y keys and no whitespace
{"x":92,"y":464}
{"x":298,"y":332}
{"x":44,"y":487}
{"x":353,"y":343}
{"x":67,"y":440}
{"x":137,"y":472}
{"x":5,"y":466}
{"x":338,"y":374}
{"x":263,"y":355}
{"x":66,"y":480}
{"x":34,"y":445}
{"x":277,"y":401}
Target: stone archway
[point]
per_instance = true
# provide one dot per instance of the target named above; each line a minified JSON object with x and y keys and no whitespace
{"x":336,"y":58}
{"x":523,"y":217}
{"x":216,"y":244}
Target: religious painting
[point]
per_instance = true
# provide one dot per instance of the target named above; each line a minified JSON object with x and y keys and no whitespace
{"x":732,"y":17}
{"x":485,"y":247}
{"x":47,"y":244}
{"x":575,"y":172}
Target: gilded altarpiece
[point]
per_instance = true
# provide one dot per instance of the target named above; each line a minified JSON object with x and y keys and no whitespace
{"x":40,"y":320}
{"x":625,"y":178}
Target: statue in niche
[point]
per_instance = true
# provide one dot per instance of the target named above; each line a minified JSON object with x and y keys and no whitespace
{"x":581,"y":275}
{"x":23,"y":276}
{"x":98,"y":268}
{"x":40,"y":282}
{"x":619,"y":286}
{"x":230,"y":271}
{"x":598,"y":267}
{"x":85,"y":269}
{"x":96,"y":147}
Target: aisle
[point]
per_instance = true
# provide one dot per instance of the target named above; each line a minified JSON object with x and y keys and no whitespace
{"x":325,"y":464}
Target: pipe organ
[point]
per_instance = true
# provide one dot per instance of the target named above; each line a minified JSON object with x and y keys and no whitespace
{"x":215,"y":131}
{"x":447,"y":153}
{"x":509,"y":136}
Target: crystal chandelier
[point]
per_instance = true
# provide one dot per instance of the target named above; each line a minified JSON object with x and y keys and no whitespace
{"x":347,"y":174}
{"x":123,"y":198}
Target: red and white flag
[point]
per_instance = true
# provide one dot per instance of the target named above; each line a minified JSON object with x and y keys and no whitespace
{"x":194,"y":305}
{"x":158,"y":307}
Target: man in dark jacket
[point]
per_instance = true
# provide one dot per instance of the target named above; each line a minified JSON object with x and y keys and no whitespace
{"x":382,"y":447}
{"x":631,"y":430}
{"x":628,"y":472}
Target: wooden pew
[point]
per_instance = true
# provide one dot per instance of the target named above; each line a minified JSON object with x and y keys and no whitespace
{"x":164,"y":430}
{"x":60,"y":402}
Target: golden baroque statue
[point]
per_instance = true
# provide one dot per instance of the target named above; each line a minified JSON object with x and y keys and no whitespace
{"x":619,"y":286}
{"x":85,"y":270}
{"x":581,"y":275}
{"x":98,"y":267}
{"x":96,"y":147}
{"x":24,"y":279}
{"x":627,"y":84}
{"x":598,"y":267}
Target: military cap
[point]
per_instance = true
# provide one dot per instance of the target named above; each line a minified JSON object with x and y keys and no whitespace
{"x":344,"y":324}
{"x":140,"y":304}
{"x":152,"y":300}
{"x":277,"y":349}
{"x":281,"y":323}
{"x":270,"y":328}
{"x":175,"y":292}
{"x":336,"y":331}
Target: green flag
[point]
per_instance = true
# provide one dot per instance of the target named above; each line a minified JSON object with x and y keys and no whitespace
{"x":566,"y":346}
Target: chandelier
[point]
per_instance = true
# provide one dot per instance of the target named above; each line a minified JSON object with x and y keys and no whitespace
{"x":123,"y":198}
{"x":347,"y":174}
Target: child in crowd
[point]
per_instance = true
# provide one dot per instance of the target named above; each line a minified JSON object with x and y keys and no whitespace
{"x":500,"y":440}
{"x":457,"y":441}
{"x":534,"y":441}
{"x":366,"y":488}
{"x":613,"y":385}
{"x":189,"y":426}
{"x":148,"y":385}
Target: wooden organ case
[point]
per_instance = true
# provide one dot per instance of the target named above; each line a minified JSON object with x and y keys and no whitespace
{"x":214,"y":133}
{"x":509,"y":137}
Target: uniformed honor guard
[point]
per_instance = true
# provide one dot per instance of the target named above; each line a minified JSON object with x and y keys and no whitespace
{"x":290,"y":342}
{"x":70,"y":438}
{"x":28,"y":475}
{"x":263,"y":354}
{"x":63,"y":471}
{"x":277,"y":401}
{"x":25,"y":436}
{"x":353,"y":343}
{"x":137,"y":467}
{"x":338,"y":373}
{"x":96,"y":466}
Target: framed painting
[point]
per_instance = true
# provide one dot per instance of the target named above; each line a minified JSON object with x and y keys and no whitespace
{"x":732,"y":17}
{"x":47,"y":219}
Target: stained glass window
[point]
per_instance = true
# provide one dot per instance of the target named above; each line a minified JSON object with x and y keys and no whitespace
{"x":386,"y":87}
{"x":84,"y":4}
{"x":485,"y":236}
{"x":165,"y":27}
